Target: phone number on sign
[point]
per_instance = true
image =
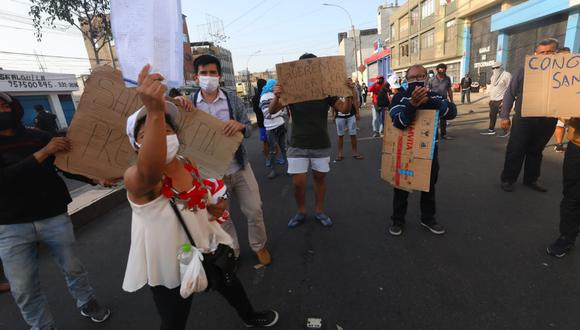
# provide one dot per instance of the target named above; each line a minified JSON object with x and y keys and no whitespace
{"x":41,"y":84}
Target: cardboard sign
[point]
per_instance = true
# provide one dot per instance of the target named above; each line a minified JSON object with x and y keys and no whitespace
{"x":408,"y":154}
{"x":552,"y":86}
{"x":101,"y":148}
{"x":312,"y":79}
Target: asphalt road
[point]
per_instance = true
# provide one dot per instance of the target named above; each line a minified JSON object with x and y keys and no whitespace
{"x":490,"y":271}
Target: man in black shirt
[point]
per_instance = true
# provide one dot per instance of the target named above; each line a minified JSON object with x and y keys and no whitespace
{"x":466,"y":89}
{"x":260,"y":120}
{"x":33,"y":210}
{"x":529,"y":135}
{"x":45,"y":120}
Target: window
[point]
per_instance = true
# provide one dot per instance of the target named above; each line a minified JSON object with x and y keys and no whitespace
{"x":404,"y":49}
{"x":415,"y":17}
{"x":404,"y":25}
{"x":450,"y":30}
{"x":427,"y":8}
{"x":393,"y":34}
{"x":428,"y":39}
{"x":415,"y":46}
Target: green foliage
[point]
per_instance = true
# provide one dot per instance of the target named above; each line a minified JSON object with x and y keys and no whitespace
{"x":77,"y":13}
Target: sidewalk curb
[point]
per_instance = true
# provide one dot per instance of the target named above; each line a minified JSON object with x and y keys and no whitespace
{"x":99,"y":208}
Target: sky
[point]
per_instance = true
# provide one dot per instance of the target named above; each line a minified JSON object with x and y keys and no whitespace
{"x":281,"y":30}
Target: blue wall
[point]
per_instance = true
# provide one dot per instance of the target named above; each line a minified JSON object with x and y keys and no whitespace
{"x":28,"y":103}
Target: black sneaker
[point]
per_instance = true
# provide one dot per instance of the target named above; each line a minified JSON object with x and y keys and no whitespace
{"x":95,"y":312}
{"x":559,"y":148}
{"x":434,"y":227}
{"x":262,"y":319}
{"x":488,"y":132}
{"x":396,"y":230}
{"x":560,"y":247}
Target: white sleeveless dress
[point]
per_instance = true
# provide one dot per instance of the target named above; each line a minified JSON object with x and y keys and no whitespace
{"x":157,"y":235}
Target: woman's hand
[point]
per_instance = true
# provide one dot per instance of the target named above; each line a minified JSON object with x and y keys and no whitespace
{"x":151,"y":90}
{"x":217,"y":210}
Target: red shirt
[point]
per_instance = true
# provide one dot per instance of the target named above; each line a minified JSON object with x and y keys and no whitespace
{"x":375,"y":90}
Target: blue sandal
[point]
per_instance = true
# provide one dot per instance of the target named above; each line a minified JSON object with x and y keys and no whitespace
{"x":324,"y":219}
{"x":296,"y":220}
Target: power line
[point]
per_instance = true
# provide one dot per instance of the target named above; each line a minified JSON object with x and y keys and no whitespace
{"x":245,"y":13}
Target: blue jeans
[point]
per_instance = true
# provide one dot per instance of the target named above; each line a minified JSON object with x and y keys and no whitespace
{"x":19,"y":254}
{"x":378,"y":120}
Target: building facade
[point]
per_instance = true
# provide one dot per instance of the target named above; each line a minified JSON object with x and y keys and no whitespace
{"x":454,"y":32}
{"x":520,"y":27}
{"x":365,"y":40}
{"x":51,"y":90}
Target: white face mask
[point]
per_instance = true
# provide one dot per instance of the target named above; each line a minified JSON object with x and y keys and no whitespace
{"x":208,"y":83}
{"x":172,"y":147}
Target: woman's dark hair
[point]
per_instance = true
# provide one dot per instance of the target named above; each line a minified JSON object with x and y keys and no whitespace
{"x":307,"y":55}
{"x":17,"y":111}
{"x":261,"y":83}
{"x":174,"y":92}
{"x":141,"y":121}
{"x":205,"y":60}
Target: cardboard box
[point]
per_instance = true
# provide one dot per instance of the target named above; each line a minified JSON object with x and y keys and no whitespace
{"x":408,"y":154}
{"x":551,"y":86}
{"x":101,"y":148}
{"x":312,"y":79}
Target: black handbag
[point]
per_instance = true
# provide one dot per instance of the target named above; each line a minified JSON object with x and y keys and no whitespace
{"x":220,"y":265}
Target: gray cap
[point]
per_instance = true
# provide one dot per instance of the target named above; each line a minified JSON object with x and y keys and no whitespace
{"x":497,"y":64}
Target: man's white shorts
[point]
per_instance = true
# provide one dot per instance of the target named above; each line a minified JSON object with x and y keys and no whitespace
{"x":300,"y":159}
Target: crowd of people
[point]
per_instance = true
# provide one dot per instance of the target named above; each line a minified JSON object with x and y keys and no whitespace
{"x":165,"y":185}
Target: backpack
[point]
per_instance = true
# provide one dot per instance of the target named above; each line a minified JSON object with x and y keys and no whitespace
{"x":383,"y":100}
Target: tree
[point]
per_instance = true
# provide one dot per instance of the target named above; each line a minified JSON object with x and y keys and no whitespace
{"x":90,"y":17}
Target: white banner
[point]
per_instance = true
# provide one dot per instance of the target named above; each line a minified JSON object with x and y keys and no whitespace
{"x":24,"y":81}
{"x":149,"y":32}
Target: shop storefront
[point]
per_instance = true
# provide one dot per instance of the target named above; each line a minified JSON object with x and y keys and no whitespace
{"x":378,"y":64}
{"x":483,"y":46}
{"x":521,"y":27}
{"x":51,"y":90}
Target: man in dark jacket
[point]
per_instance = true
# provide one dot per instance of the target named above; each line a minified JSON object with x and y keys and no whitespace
{"x":45,"y":120}
{"x":529,"y":135}
{"x":404,"y":106}
{"x":260,"y":120}
{"x":33,"y":210}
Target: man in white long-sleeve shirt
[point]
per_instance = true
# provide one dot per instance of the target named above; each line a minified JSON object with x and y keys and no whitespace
{"x":500,"y":81}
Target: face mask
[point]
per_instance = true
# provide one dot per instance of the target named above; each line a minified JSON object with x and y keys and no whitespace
{"x":209,"y":84}
{"x":414,"y":85}
{"x":172,"y":147}
{"x":6,"y":120}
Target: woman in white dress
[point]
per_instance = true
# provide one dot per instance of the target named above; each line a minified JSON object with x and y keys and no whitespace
{"x":156,"y":233}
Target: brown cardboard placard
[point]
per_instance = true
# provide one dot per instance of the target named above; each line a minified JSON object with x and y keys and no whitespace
{"x":101,"y":148}
{"x":312,"y":79}
{"x":551,"y":86}
{"x":408,"y":154}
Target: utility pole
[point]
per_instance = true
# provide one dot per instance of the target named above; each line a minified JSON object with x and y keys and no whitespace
{"x":353,"y":36}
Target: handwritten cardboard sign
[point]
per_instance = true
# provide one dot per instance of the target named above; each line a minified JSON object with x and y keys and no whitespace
{"x":408,"y":154}
{"x":552,"y":86}
{"x":101,"y":148}
{"x":312,"y":79}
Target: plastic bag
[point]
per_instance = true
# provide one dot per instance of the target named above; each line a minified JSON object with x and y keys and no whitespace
{"x":193,"y":278}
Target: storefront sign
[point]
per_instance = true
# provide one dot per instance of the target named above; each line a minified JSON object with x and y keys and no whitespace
{"x":484,"y":49}
{"x":483,"y":64}
{"x":24,"y":81}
